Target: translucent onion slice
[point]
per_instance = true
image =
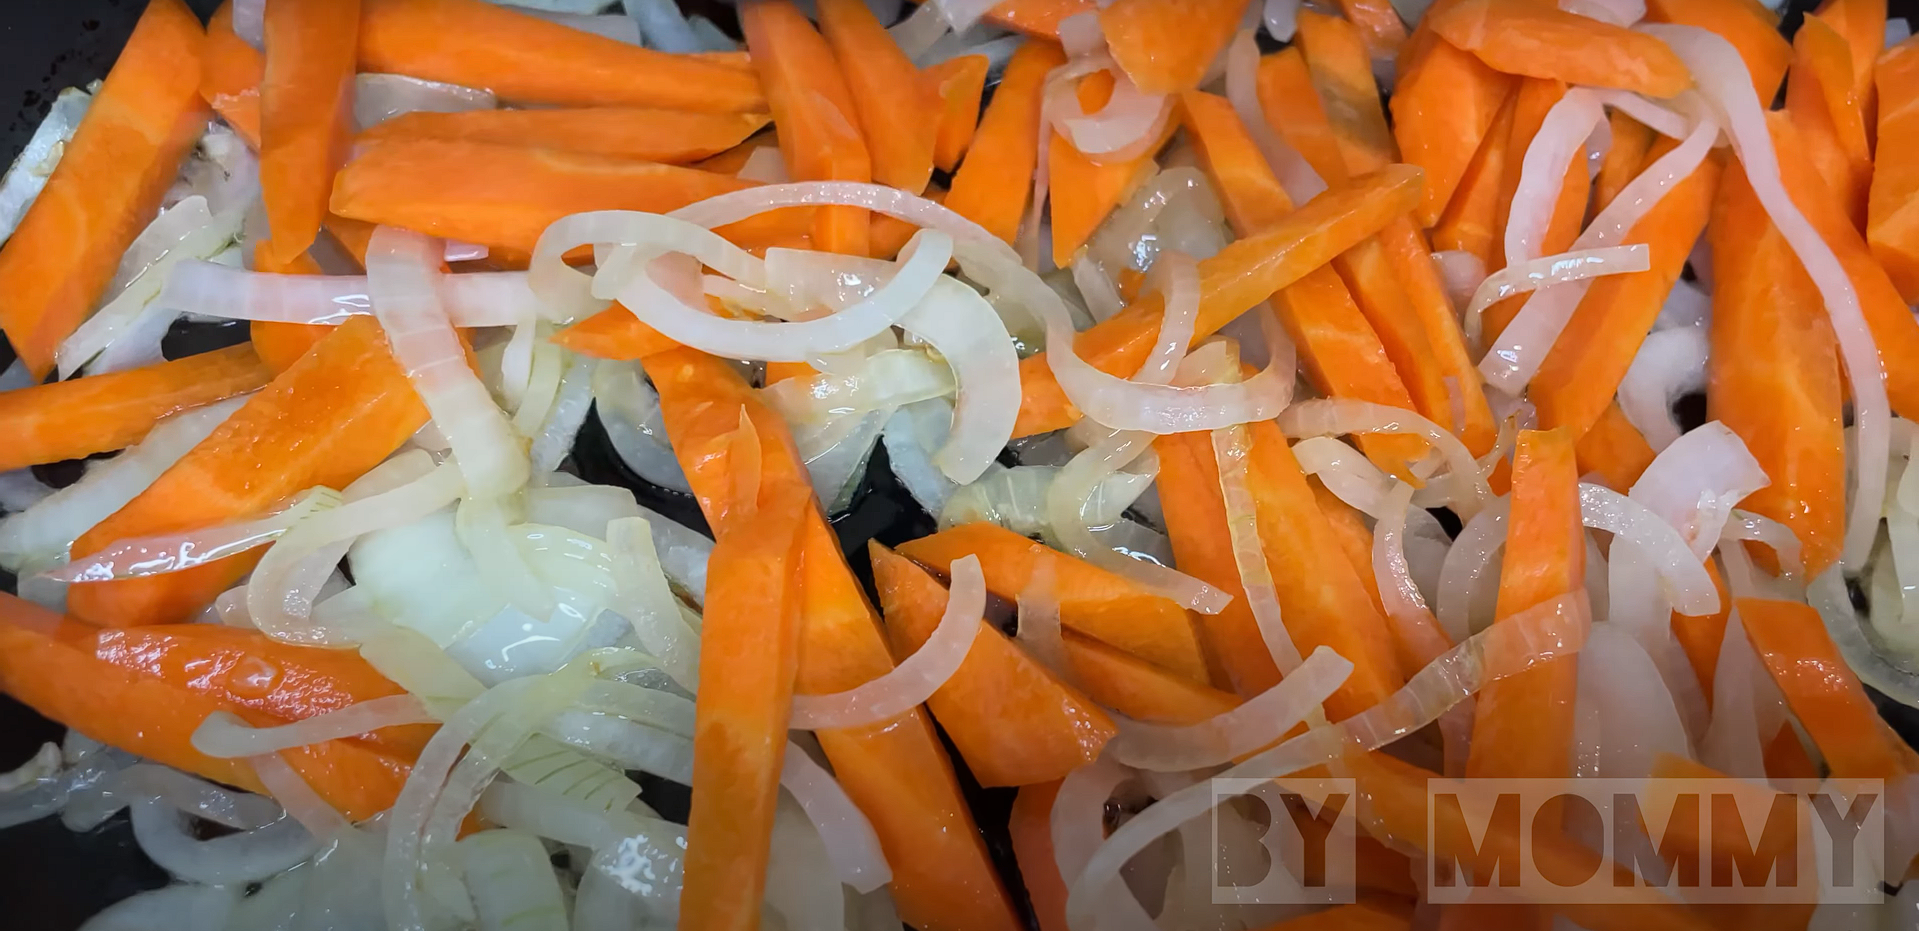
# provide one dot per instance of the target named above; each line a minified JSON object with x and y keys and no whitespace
{"x":1301,"y":182}
{"x":140,"y":557}
{"x":1543,"y":170}
{"x":1462,"y":272}
{"x":1077,"y":825}
{"x":1533,"y":274}
{"x":302,"y":804}
{"x":648,"y":603}
{"x":1662,"y":120}
{"x":1124,"y":129}
{"x":510,"y":877}
{"x":1616,"y":12}
{"x":663,"y":26}
{"x":1682,"y":575}
{"x":1669,"y":364}
{"x":1625,"y":717}
{"x":1694,"y":483}
{"x":629,"y":410}
{"x":164,"y":836}
{"x":911,"y":435}
{"x":1039,"y":627}
{"x":1745,"y":525}
{"x":215,"y":290}
{"x":918,"y":676}
{"x":225,"y":736}
{"x":400,"y":281}
{"x":381,"y":97}
{"x":1282,"y":17}
{"x":851,"y":844}
{"x":187,"y":230}
{"x":180,"y":907}
{"x":1463,"y":574}
{"x":968,"y":332}
{"x":1340,"y":416}
{"x":1222,"y":738}
{"x":879,"y":198}
{"x":1405,"y":606}
{"x":564,"y":417}
{"x":1231,"y":447}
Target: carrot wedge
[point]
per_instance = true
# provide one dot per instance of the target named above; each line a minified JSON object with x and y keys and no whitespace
{"x":108,"y":184}
{"x":1006,"y":145}
{"x":526,"y":59}
{"x":1820,"y":689}
{"x":1542,"y":41}
{"x":1243,"y":274}
{"x":1615,"y":449}
{"x":1531,"y":102}
{"x":1138,"y":689}
{"x":1342,"y":75}
{"x":1379,"y":23}
{"x":1165,"y":46}
{"x":1751,"y":28}
{"x":614,"y":333}
{"x":895,"y":771}
{"x":1084,"y":191}
{"x":1293,"y":108}
{"x":1631,"y":140}
{"x":1444,"y":105}
{"x":960,"y":81}
{"x":99,"y":413}
{"x":749,"y":651}
{"x":1012,"y":721}
{"x":1470,"y":222}
{"x":1195,"y":514}
{"x":899,"y":113}
{"x":336,"y":413}
{"x":674,"y":137}
{"x":305,"y":105}
{"x":1892,"y":214}
{"x":1092,"y":600}
{"x":1863,"y":24}
{"x":104,"y":684}
{"x":1830,"y":115}
{"x":280,"y":345}
{"x":815,"y":111}
{"x":231,"y":71}
{"x":1031,"y":828}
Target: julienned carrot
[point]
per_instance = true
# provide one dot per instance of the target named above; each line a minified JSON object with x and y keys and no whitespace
{"x":338,"y":412}
{"x":749,"y":650}
{"x":1615,"y":449}
{"x":1444,"y":102}
{"x":675,"y":137}
{"x":1165,"y":46}
{"x":1751,"y":28}
{"x":1542,"y":41}
{"x":1892,"y":225}
{"x":1466,"y":411}
{"x":1701,"y":635}
{"x":1820,"y":688}
{"x":1083,"y":192}
{"x":526,"y":59}
{"x":1863,"y":24}
{"x":899,"y":113}
{"x":1138,"y":689}
{"x":960,"y":80}
{"x":1379,"y":24}
{"x":1012,"y":721}
{"x":280,"y":345}
{"x":306,"y":104}
{"x":230,"y":76}
{"x":1030,"y":827}
{"x":1293,"y":108}
{"x":147,"y":691}
{"x":816,"y":112}
{"x":896,"y":771}
{"x":1470,"y":222}
{"x":1006,"y":145}
{"x":1246,"y":272}
{"x":1774,"y":373}
{"x":1583,"y":369}
{"x":1092,"y":600}
{"x":107,"y":186}
{"x":1631,"y":140}
{"x":1341,"y":73}
{"x":1683,"y":839}
{"x":99,"y":413}
{"x":1355,"y":540}
{"x":614,"y":333}
{"x":1342,"y":354}
{"x":1830,"y":116}
{"x":505,"y":196}
{"x":1370,"y":277}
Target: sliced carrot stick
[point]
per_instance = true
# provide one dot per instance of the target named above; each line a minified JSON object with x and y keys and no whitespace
{"x":1892,"y":225}
{"x":1165,"y":46}
{"x":504,"y":196}
{"x":1012,"y":721}
{"x":1581,"y":372}
{"x":280,"y":345}
{"x":107,"y":186}
{"x":1031,"y":828}
{"x":1863,"y":23}
{"x":899,"y":113}
{"x":1243,"y":274}
{"x":1774,"y":373}
{"x":526,"y":59}
{"x":732,"y":160}
{"x":1465,"y":411}
{"x":1138,"y":689}
{"x":1701,"y":635}
{"x":1542,"y":41}
{"x":1083,"y":192}
{"x":1830,"y":115}
{"x":1786,"y":757}
{"x":749,"y":653}
{"x":1293,"y":107}
{"x":1533,"y":99}
{"x":306,"y":104}
{"x":1369,"y":275}
{"x":1615,"y":449}
{"x":1444,"y":104}
{"x":1379,"y":23}
{"x":1820,"y":688}
{"x":895,"y":771}
{"x":1006,"y":145}
{"x":1341,"y":73}
{"x":98,"y":682}
{"x":231,"y":71}
{"x":672,"y":136}
{"x":1092,"y":600}
{"x":1356,"y":542}
{"x":614,"y":333}
{"x":1470,"y":222}
{"x":1631,"y":140}
{"x":961,"y":81}
{"x":816,"y":113}
{"x":336,"y":413}
{"x":99,"y":413}
{"x":1747,"y":24}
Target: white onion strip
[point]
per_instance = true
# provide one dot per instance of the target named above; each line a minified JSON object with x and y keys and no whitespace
{"x":1231,"y":448}
{"x":917,"y":677}
{"x":1404,"y":604}
{"x":1337,"y":416}
{"x":1758,"y":528}
{"x":1661,"y":120}
{"x":1669,"y":363}
{"x":879,"y":198}
{"x":1682,"y":574}
{"x":1531,"y":275}
{"x":225,"y":736}
{"x":1543,"y":170}
{"x":1257,"y":722}
{"x":1066,"y":501}
{"x":1466,"y":565}
{"x":1694,"y":483}
{"x":139,"y":557}
{"x":850,"y":841}
{"x":969,"y":333}
{"x":1296,"y":177}
{"x":215,"y":290}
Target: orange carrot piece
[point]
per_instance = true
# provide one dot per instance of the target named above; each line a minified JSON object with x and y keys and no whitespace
{"x":1379,"y":24}
{"x":899,"y":112}
{"x":1830,"y":115}
{"x":674,"y":137}
{"x":1465,"y":410}
{"x":1540,"y":40}
{"x":614,"y":333}
{"x":1892,"y":225}
{"x":1863,"y":24}
{"x":1006,"y":145}
{"x":1370,"y":277}
{"x":1083,"y":192}
{"x":505,"y":196}
{"x":1195,"y":514}
{"x":280,"y":345}
{"x":108,"y":184}
{"x":816,"y":112}
{"x":99,"y":682}
{"x":1631,"y":140}
{"x":1039,"y":18}
{"x":732,"y":160}
{"x":1012,"y":721}
{"x":1774,"y":373}
{"x":1470,"y":222}
{"x":1751,"y":28}
{"x":526,"y":59}
{"x":1246,"y":272}
{"x":1292,"y":106}
{"x":1138,"y":689}
{"x":1165,"y":46}
{"x":1615,"y":449}
{"x":1031,"y":828}
{"x":99,"y":413}
{"x":1341,"y":73}
{"x":1701,"y":635}
{"x":960,"y":81}
{"x":338,"y":412}
{"x":306,"y":104}
{"x":1444,"y":104}
{"x":1532,"y":100}
{"x":749,"y":652}
{"x":1581,"y":372}
{"x":1092,"y":600}
{"x":895,"y":771}
{"x":231,"y":71}
{"x":1786,"y":757}
{"x":1250,"y":194}
{"x":1821,"y":689}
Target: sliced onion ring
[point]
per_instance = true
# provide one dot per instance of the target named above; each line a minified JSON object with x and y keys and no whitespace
{"x":1259,"y":721}
{"x":215,"y":290}
{"x":1337,"y":416}
{"x":223,"y":735}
